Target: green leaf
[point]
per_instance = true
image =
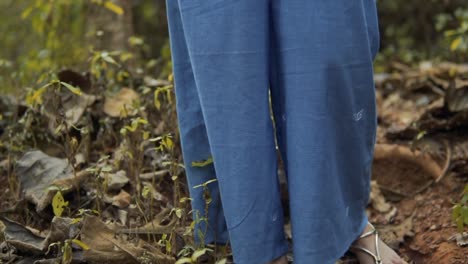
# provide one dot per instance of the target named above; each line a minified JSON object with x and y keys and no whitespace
{"x":168,"y":246}
{"x":198,"y":253}
{"x":221,"y":261}
{"x":72,"y":89}
{"x":455,"y":43}
{"x":209,"y":181}
{"x":76,"y":220}
{"x":67,"y":253}
{"x":106,"y":168}
{"x":168,"y":142}
{"x":145,"y":192}
{"x":205,"y":183}
{"x":464,"y":199}
{"x":106,"y":57}
{"x":184,"y":199}
{"x":169,"y":95}
{"x":460,"y":224}
{"x":80,"y":244}
{"x":58,"y":203}
{"x":157,"y":103}
{"x":142,"y":121}
{"x":135,"y":41}
{"x":25,"y":14}
{"x":58,"y":129}
{"x":178,"y":212}
{"x":184,"y":260}
{"x":114,"y":8}
{"x":421,"y":134}
{"x":36,"y":96}
{"x":202,"y":163}
{"x":449,"y":33}
{"x":465,"y":215}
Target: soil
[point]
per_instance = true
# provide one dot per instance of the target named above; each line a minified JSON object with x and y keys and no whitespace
{"x":432,"y":224}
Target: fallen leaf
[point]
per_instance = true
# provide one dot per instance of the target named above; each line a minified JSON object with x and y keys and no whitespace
{"x":106,"y":247}
{"x":114,"y":105}
{"x":122,"y":199}
{"x":38,"y":172}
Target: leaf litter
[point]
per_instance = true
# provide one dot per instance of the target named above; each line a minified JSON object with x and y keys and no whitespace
{"x":419,"y":172}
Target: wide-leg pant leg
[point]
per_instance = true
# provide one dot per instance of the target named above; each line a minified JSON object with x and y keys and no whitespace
{"x":324,"y":105}
{"x":193,"y":137}
{"x":227,"y":43}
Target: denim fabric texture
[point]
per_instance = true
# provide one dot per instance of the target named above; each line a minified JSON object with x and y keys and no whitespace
{"x":316,"y":59}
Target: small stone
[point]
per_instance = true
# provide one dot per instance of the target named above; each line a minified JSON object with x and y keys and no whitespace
{"x":115,"y":181}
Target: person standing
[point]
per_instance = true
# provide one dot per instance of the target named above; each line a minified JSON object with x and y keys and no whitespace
{"x":315,"y":58}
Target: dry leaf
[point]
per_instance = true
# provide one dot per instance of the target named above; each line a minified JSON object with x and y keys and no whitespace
{"x":114,"y":106}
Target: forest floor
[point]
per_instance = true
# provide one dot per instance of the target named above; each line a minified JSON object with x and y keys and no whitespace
{"x":413,"y":193}
{"x":419,"y":173}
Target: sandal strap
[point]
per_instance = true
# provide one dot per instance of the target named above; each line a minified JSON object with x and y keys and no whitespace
{"x":368,"y":233}
{"x":376,"y":256}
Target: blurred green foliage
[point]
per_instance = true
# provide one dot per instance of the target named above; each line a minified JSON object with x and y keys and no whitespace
{"x":417,"y":30}
{"x":40,"y":36}
{"x":44,"y":36}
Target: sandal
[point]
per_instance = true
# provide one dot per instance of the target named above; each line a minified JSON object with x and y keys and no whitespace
{"x":376,"y":256}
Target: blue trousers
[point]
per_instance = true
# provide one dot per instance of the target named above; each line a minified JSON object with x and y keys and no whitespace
{"x":315,"y":57}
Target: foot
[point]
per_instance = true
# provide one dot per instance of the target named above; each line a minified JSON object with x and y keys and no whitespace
{"x":280,"y":260}
{"x":387,"y":254}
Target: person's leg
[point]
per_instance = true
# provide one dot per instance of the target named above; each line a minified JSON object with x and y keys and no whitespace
{"x":193,"y":137}
{"x":325,"y":111}
{"x":227,"y":44}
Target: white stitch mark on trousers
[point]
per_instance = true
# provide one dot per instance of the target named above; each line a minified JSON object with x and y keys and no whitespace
{"x":275,"y":216}
{"x":357,"y":116}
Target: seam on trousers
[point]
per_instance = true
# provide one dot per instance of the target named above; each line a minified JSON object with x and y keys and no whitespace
{"x":249,"y":211}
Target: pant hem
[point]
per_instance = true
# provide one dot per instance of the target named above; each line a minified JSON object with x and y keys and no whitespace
{"x":350,"y":240}
{"x":266,"y":253}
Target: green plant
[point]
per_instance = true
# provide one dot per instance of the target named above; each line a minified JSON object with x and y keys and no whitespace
{"x":454,"y":27}
{"x":208,"y":199}
{"x":460,"y":211}
{"x":65,"y":248}
{"x":165,"y":144}
{"x":192,"y":258}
